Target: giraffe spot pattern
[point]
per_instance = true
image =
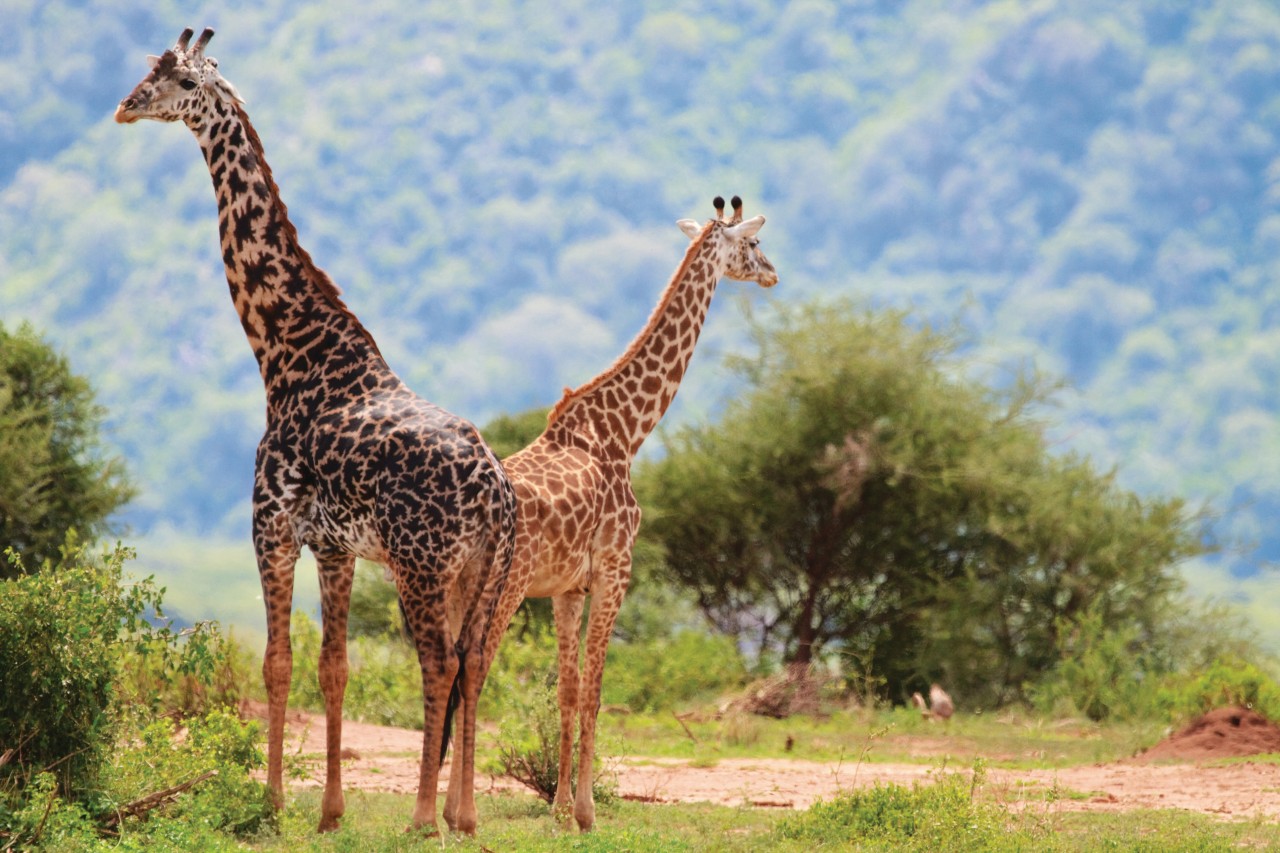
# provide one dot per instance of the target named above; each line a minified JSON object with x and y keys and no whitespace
{"x":351,"y":463}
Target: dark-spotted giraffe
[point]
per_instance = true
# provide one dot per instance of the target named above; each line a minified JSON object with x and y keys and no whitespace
{"x":353,"y":463}
{"x":577,"y":515}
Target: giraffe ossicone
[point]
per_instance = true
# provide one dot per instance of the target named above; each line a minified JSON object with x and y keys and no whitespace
{"x":352,"y":463}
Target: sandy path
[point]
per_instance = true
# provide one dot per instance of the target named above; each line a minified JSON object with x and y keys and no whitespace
{"x":380,"y":758}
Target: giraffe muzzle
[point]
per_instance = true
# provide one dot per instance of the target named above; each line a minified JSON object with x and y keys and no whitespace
{"x":125,"y":111}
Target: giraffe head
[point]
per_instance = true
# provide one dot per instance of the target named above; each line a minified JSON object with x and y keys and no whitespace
{"x":182,"y":85}
{"x":736,"y":239}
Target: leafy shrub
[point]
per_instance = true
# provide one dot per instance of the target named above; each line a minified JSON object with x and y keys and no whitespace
{"x":943,"y":815}
{"x":1100,"y":673}
{"x":217,"y":751}
{"x":384,"y":684}
{"x":1228,"y":681}
{"x":92,"y":680}
{"x":41,"y":818}
{"x":187,"y":673}
{"x":659,"y":674}
{"x":63,"y":636}
{"x":1107,"y":673}
{"x":520,"y":673}
{"x":529,"y":744}
{"x":230,"y":800}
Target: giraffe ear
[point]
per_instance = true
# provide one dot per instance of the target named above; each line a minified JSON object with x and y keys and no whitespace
{"x":152,"y":60}
{"x":689,"y":227}
{"x":228,"y":92}
{"x":745,"y":230}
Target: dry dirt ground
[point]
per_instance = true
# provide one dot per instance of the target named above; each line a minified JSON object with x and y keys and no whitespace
{"x":1181,"y":772}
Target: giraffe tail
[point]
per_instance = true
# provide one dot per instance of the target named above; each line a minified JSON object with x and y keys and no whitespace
{"x":455,"y":699}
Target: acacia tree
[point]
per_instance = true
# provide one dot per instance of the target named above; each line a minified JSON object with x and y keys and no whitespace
{"x":861,"y":495}
{"x":54,"y":473}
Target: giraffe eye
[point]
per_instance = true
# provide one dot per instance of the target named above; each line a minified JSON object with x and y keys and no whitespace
{"x":188,"y":84}
{"x":753,"y":242}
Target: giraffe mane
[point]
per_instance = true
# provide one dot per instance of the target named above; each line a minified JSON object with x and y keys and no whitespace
{"x":668,"y":293}
{"x":325,"y":285}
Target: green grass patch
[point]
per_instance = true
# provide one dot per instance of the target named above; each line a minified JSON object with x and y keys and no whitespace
{"x":1010,"y":740}
{"x":941,"y":815}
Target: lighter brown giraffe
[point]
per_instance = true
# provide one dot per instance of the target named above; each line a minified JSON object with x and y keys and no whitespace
{"x":352,"y":464}
{"x":577,"y":516}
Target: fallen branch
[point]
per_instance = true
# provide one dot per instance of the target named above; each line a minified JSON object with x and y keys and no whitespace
{"x":685,"y":727}
{"x":155,"y":800}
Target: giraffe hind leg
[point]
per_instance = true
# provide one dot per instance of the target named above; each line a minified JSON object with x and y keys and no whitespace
{"x":424,"y":595}
{"x":605,"y":604}
{"x":507,"y":604}
{"x":336,"y":571}
{"x":568,"y":615}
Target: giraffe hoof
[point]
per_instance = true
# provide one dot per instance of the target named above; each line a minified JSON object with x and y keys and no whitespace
{"x":424,"y":831}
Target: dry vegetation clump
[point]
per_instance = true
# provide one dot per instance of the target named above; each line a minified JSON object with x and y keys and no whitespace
{"x":798,"y":689}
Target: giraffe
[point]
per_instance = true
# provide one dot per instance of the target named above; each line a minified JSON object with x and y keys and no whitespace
{"x":352,"y":463}
{"x":577,"y":516}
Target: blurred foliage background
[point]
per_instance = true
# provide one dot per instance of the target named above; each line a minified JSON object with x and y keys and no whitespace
{"x":1088,"y":189}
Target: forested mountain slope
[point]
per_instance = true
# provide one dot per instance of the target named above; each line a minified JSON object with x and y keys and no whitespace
{"x":1091,"y":187}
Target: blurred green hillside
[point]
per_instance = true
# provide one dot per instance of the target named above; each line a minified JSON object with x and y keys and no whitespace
{"x":1089,"y":186}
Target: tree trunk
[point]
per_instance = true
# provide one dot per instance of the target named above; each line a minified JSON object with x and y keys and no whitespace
{"x":805,"y":632}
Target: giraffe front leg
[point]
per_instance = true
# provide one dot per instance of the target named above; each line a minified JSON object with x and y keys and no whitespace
{"x":568,"y":615}
{"x":277,"y":670}
{"x":336,"y":571}
{"x":605,"y":604}
{"x":276,"y":555}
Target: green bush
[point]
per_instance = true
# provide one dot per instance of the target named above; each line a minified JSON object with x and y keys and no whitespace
{"x":1110,"y":673}
{"x":1101,"y":672}
{"x":529,"y":744}
{"x":384,"y":685}
{"x":943,"y":815}
{"x":660,"y":674}
{"x":187,"y":673}
{"x":43,"y":819}
{"x":218,"y":752}
{"x":167,"y":756}
{"x":524,"y":666}
{"x":1226,"y":681}
{"x":63,"y":634}
{"x":93,"y":682}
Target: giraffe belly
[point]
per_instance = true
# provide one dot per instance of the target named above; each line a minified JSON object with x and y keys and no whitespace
{"x":555,"y":578}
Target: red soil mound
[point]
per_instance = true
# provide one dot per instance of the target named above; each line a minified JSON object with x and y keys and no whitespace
{"x":1221,"y":733}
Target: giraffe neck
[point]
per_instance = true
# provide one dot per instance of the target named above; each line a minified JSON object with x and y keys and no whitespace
{"x":624,"y":403}
{"x":292,"y":313}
